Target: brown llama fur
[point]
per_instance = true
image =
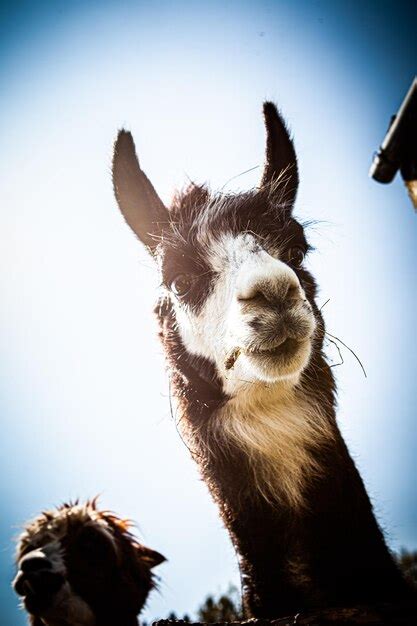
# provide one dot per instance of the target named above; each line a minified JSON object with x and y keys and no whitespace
{"x":81,"y":566}
{"x":243,"y":338}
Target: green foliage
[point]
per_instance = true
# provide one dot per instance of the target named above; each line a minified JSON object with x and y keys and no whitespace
{"x":225,"y":608}
{"x":173,"y":617}
{"x":407,"y":562}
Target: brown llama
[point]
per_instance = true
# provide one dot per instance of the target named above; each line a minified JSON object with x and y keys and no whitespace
{"x":80,"y":566}
{"x":243,"y":338}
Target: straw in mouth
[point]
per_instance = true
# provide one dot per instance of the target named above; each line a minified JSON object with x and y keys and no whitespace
{"x":232,"y":358}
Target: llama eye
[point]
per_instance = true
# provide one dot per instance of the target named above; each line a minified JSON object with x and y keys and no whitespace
{"x":296,"y":255}
{"x":182,"y":284}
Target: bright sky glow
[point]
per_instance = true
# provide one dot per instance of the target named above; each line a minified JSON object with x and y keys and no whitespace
{"x":83,"y":391}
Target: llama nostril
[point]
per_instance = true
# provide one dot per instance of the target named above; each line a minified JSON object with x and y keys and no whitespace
{"x":271,"y":293}
{"x":293,"y":292}
{"x":254,"y":296}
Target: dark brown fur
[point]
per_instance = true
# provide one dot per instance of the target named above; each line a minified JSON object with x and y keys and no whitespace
{"x":330,"y":552}
{"x":113,"y":577}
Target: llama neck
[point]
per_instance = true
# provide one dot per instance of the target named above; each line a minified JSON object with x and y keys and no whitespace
{"x":315,"y":543}
{"x":292,"y":500}
{"x":278,"y":428}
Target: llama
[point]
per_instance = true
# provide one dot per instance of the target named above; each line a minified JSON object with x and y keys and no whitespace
{"x":243,"y":338}
{"x":80,"y":566}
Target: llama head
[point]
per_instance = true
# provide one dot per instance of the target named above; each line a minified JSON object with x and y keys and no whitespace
{"x":232,"y":268}
{"x":81,"y":566}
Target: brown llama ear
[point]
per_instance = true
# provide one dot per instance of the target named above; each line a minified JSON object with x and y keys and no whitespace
{"x":280,"y":157}
{"x":151,"y":558}
{"x":138,"y":201}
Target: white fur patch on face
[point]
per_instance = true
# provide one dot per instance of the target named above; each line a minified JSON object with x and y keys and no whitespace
{"x":257,"y":327}
{"x":225,"y":324}
{"x":55,"y":555}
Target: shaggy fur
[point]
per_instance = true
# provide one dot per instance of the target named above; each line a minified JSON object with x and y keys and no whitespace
{"x":80,"y":566}
{"x":278,"y":429}
{"x":243,"y":339}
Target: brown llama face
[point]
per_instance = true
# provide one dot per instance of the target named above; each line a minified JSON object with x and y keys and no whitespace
{"x":80,"y":566}
{"x":232,"y":265}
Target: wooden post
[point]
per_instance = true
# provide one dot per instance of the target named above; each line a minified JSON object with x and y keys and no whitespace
{"x":398,"y":150}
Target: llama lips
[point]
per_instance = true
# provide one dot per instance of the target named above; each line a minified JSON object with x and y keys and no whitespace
{"x":286,"y":348}
{"x":36,"y":602}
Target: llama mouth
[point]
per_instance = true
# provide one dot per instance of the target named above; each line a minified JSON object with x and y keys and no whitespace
{"x":281,"y":361}
{"x":36,"y":604}
{"x":39,"y":590}
{"x":286,"y":348}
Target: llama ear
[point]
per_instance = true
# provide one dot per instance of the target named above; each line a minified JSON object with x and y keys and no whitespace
{"x":151,"y":558}
{"x":141,"y":206}
{"x":280,"y":157}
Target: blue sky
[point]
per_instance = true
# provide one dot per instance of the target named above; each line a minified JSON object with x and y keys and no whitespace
{"x":83,"y":391}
